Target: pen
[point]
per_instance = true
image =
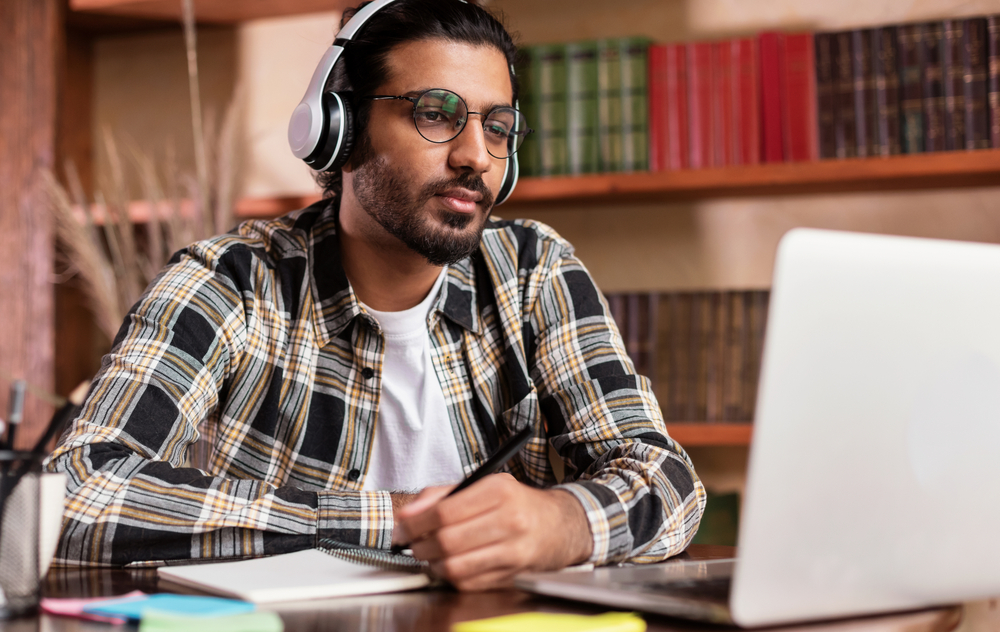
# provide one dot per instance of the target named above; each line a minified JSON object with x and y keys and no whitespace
{"x":490,"y":466}
{"x":16,"y":407}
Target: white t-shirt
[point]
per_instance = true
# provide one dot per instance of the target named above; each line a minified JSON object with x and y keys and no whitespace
{"x":414,"y":445}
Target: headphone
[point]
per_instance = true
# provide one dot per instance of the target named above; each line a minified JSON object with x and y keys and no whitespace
{"x":321,"y":131}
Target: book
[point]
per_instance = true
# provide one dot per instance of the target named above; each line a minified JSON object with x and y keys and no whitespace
{"x":734,"y":368}
{"x":668,"y":121}
{"x":583,"y":151}
{"x":975,"y":80}
{"x":550,"y":69}
{"x":825,"y":95}
{"x":723,"y":103}
{"x":800,"y":129}
{"x":635,"y":103}
{"x":952,"y":83}
{"x":845,"y":134}
{"x":863,"y":73}
{"x":772,"y":143}
{"x":911,"y":94}
{"x":299,"y":576}
{"x":746,"y":94}
{"x":701,"y":131}
{"x":993,"y":65}
{"x":885,"y":58}
{"x":609,"y":105}
{"x":933,"y":86}
{"x":658,"y":131}
{"x":528,"y":152}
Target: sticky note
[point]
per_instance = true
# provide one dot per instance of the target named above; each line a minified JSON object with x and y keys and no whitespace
{"x":190,"y":605}
{"x":156,"y":621}
{"x":549,"y":622}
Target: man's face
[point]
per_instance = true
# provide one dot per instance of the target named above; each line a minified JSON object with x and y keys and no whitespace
{"x":435,"y":198}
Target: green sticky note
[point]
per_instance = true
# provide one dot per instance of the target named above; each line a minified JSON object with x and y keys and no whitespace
{"x":548,"y":622}
{"x":157,"y":621}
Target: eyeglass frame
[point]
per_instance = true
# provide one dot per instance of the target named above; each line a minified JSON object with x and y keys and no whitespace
{"x":482,"y":117}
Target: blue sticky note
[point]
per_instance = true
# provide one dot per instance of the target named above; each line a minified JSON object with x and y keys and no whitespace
{"x":188,"y":605}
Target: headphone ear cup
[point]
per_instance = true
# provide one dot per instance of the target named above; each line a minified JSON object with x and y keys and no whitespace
{"x":337,"y":137}
{"x":509,"y":180}
{"x":347,"y":143}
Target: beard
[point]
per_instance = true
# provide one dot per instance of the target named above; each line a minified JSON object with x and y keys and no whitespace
{"x":386,"y":196}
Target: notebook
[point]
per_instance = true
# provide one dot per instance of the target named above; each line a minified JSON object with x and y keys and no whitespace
{"x":333,"y":571}
{"x":874,"y":482}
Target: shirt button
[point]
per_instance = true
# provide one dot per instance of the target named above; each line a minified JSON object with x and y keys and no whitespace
{"x":354,"y":475}
{"x":368,"y":373}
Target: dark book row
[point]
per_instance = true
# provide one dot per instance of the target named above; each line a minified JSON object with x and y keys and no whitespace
{"x":626,"y":104}
{"x":701,"y":350}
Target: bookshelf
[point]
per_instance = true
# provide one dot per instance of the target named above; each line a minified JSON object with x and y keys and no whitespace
{"x":702,"y":434}
{"x":206,"y":11}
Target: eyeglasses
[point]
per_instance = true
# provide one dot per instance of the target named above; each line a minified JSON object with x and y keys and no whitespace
{"x":440,"y":116}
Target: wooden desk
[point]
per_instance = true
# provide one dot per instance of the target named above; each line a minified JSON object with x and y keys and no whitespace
{"x":436,"y":610}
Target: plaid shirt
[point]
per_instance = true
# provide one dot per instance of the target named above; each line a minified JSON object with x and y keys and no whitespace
{"x":254,"y":345}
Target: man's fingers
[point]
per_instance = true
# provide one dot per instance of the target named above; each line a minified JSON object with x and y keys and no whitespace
{"x":482,"y":530}
{"x":488,"y":567}
{"x":464,"y":505}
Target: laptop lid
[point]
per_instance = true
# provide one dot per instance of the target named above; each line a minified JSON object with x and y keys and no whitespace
{"x":874,"y":474}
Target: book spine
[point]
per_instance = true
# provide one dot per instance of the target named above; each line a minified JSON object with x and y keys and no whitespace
{"x":885,"y":56}
{"x":757,"y":327}
{"x":581,"y":105}
{"x":825,"y":96}
{"x":681,"y":388}
{"x":664,"y":354}
{"x":770,"y":85}
{"x":678,"y":148}
{"x":635,"y":102}
{"x":746,"y":101}
{"x":933,"y":84}
{"x":718,"y":317}
{"x":864,"y":92}
{"x":954,"y":91}
{"x":650,"y":337}
{"x":798,"y":106}
{"x":701,"y":353}
{"x":974,"y":83}
{"x":699,"y":64}
{"x":552,"y":109}
{"x":845,"y":133}
{"x":658,"y":130}
{"x":732,"y":391}
{"x":528,"y":153}
{"x":911,"y":93}
{"x":609,"y":103}
{"x":993,"y":34}
{"x":722,"y":103}
{"x":633,"y":341}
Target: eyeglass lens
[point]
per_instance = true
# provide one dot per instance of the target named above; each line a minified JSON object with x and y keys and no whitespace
{"x":441,"y":115}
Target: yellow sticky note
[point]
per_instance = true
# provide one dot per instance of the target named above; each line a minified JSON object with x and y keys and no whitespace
{"x":548,"y":622}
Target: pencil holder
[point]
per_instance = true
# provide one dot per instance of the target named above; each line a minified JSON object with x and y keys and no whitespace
{"x":20,"y":496}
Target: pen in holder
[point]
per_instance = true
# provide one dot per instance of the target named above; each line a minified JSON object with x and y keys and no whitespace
{"x":20,"y":500}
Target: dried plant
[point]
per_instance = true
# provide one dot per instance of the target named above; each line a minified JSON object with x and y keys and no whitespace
{"x":114,"y":254}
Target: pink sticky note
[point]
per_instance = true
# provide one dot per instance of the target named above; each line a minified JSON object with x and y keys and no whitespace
{"x":74,"y":607}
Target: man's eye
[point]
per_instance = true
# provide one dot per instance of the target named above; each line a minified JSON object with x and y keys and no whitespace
{"x":496,"y":129}
{"x":430,"y":116}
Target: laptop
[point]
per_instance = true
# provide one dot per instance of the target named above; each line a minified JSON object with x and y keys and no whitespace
{"x":874,"y":475}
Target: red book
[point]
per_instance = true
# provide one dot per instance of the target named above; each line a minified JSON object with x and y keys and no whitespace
{"x":800,"y":132}
{"x":723,"y":106}
{"x":678,"y":148}
{"x":668,"y":123}
{"x":702,"y":141}
{"x":658,"y":143}
{"x":770,"y":87}
{"x":747,"y":101}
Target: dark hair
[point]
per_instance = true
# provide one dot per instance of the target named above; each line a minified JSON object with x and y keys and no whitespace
{"x":364,"y":65}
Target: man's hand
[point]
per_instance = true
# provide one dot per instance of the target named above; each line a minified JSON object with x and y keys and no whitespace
{"x":481,"y":537}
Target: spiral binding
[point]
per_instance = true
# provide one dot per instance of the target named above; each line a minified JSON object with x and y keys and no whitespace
{"x":379,"y":558}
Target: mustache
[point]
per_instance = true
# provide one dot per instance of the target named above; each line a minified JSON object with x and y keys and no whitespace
{"x":469,"y":181}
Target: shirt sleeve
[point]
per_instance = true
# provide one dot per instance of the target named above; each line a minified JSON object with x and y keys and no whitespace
{"x":130,"y":495}
{"x":638,"y":487}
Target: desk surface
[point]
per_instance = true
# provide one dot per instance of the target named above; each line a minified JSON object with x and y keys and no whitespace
{"x":437,"y":609}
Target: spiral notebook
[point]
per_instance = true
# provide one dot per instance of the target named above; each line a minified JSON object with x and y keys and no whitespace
{"x":333,"y":570}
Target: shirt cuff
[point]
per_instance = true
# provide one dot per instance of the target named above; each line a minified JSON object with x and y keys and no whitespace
{"x":362,"y":518}
{"x":607,"y":518}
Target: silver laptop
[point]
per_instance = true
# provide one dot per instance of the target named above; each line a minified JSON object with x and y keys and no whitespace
{"x":874,"y":476}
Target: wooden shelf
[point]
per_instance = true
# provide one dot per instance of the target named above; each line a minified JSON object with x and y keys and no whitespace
{"x":708,"y":433}
{"x":206,"y":11}
{"x":917,"y":171}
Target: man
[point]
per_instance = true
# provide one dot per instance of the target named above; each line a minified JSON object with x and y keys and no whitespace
{"x":386,"y":339}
